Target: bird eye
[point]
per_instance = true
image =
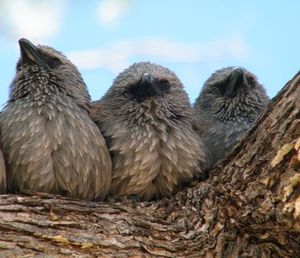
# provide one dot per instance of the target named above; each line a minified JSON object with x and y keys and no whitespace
{"x":54,"y":62}
{"x":218,"y":89}
{"x":164,"y":85}
{"x":128,"y":93}
{"x":251,"y":80}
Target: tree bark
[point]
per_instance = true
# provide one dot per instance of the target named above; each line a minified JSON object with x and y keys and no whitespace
{"x":248,"y":207}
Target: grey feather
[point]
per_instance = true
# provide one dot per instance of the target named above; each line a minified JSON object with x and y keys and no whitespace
{"x":146,"y":120}
{"x":228,"y":105}
{"x":48,"y":140}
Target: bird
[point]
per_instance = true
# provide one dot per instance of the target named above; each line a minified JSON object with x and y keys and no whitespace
{"x":146,"y":120}
{"x":228,"y":105}
{"x":2,"y":174}
{"x":48,"y":140}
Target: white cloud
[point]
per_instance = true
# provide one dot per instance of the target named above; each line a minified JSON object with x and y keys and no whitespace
{"x":110,"y":11}
{"x":36,"y":20}
{"x":117,"y":56}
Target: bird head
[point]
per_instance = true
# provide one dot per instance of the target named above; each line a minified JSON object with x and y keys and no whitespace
{"x":44,"y":70}
{"x":230,"y":92}
{"x":148,"y":89}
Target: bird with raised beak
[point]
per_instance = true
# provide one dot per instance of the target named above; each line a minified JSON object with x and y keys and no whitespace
{"x":146,"y":119}
{"x":49,"y":142}
{"x":228,"y":105}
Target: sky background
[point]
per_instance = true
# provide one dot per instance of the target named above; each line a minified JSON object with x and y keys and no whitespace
{"x":191,"y":37}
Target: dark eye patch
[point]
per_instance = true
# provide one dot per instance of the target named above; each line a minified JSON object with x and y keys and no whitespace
{"x":130,"y":91}
{"x":222,"y":87}
{"x":127,"y":94}
{"x":53,"y":62}
{"x":218,"y":88}
{"x":251,"y":80}
{"x":164,"y":85}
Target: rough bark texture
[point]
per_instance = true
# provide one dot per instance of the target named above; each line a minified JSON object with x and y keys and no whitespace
{"x":248,"y":207}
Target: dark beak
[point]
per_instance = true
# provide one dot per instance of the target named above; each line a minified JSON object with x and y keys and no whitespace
{"x":147,"y":87}
{"x":234,"y":81}
{"x":30,"y":53}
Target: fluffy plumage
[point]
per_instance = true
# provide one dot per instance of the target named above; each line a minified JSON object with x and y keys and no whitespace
{"x":146,"y":120}
{"x":228,"y":105}
{"x":49,"y":142}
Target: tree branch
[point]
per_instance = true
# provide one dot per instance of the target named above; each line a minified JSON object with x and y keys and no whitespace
{"x":248,"y":207}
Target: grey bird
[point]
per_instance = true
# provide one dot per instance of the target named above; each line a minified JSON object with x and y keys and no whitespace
{"x":146,"y":119}
{"x":49,"y":142}
{"x":228,"y":105}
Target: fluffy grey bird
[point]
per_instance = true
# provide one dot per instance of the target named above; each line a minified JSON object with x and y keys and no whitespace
{"x":228,"y":105}
{"x":146,"y":119}
{"x":48,"y":140}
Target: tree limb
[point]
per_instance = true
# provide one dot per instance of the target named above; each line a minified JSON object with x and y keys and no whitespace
{"x":248,"y":207}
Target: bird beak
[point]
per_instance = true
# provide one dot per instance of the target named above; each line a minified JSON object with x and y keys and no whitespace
{"x":147,"y":86}
{"x":235,"y":80}
{"x":30,"y":53}
{"x":146,"y":77}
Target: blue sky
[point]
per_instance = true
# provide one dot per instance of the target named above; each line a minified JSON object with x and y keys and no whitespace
{"x":193,"y":38}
